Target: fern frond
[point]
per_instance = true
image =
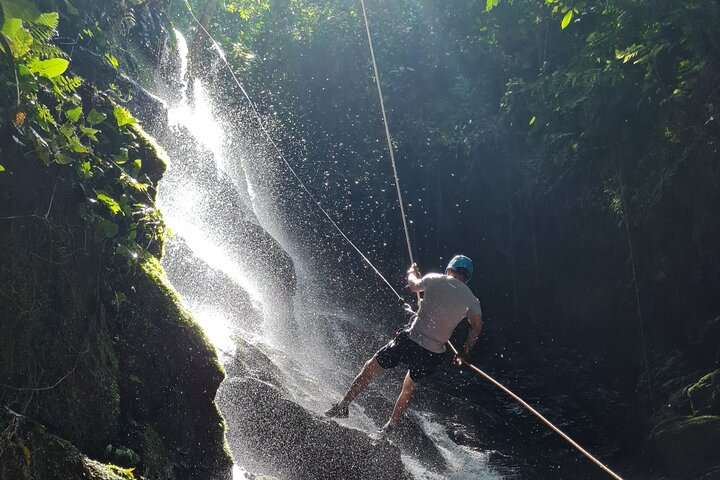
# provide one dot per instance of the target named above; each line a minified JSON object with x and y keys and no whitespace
{"x":128,"y":21}
{"x":44,"y":51}
{"x":44,"y":27}
{"x":67,"y":84}
{"x":50,"y":20}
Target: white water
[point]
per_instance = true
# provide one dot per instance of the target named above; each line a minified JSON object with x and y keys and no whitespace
{"x":212,"y":242}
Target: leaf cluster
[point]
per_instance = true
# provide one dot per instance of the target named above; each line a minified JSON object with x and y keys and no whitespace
{"x":59,"y":120}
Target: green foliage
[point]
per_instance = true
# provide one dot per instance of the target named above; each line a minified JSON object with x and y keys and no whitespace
{"x":566,"y":19}
{"x":17,"y":37}
{"x":49,"y":68}
{"x":112,"y":60}
{"x":123,"y":116}
{"x":53,"y":123}
{"x":95,"y":117}
{"x":21,"y":9}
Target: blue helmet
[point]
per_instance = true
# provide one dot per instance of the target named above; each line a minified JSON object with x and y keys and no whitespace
{"x":461,"y":261}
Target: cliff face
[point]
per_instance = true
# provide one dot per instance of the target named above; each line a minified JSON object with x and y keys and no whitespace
{"x":105,"y":359}
{"x":103,"y":373}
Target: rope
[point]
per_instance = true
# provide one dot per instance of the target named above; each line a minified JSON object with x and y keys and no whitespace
{"x":282,"y":157}
{"x":402,"y":211}
{"x":538,"y":415}
{"x":387,"y":133}
{"x":407,"y":238}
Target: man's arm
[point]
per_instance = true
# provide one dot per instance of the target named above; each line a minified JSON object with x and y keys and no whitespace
{"x":414,"y":278}
{"x":476,"y":324}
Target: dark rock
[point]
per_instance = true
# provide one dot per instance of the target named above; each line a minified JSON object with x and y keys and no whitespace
{"x":98,"y":355}
{"x":707,"y":348}
{"x":688,"y":443}
{"x":170,"y":375}
{"x":281,"y":438}
{"x":28,"y":451}
{"x":705,"y":394}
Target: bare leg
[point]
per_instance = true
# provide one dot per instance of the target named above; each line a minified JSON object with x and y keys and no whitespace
{"x":370,"y":370}
{"x":403,"y":400}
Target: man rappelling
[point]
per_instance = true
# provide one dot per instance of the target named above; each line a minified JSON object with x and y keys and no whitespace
{"x":446,"y":301}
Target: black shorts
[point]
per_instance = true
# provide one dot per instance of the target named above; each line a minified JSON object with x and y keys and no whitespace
{"x":401,"y":349}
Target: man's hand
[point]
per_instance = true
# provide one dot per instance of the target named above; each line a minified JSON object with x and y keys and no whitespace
{"x":413,"y":278}
{"x":414,"y":270}
{"x":476,"y":324}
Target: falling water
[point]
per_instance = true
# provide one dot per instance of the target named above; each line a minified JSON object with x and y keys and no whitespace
{"x":220,"y":208}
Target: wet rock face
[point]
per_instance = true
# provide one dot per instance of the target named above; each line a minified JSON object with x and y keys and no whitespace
{"x":32,"y":453}
{"x":685,"y":438}
{"x":270,"y":434}
{"x":137,"y":376}
{"x":286,"y":440}
{"x":688,"y":444}
{"x":705,"y":394}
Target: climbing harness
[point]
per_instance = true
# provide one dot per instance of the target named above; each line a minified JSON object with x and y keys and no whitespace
{"x":402,"y":211}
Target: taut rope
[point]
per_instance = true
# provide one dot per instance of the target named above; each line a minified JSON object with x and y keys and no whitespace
{"x":407,"y":238}
{"x":387,"y":133}
{"x":402,"y":210}
{"x":282,"y":156}
{"x":537,"y":414}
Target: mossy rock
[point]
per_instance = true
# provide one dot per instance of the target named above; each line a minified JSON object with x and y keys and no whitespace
{"x":54,"y":335}
{"x":98,"y":354}
{"x":688,"y":443}
{"x":170,"y":375}
{"x":29,"y":452}
{"x":705,"y":394}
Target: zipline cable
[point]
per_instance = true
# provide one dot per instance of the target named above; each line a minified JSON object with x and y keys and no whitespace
{"x":387,"y":133}
{"x":537,"y":414}
{"x":221,"y":54}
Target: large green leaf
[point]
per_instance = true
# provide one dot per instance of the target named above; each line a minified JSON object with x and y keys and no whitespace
{"x":73,"y":114}
{"x":23,"y":9}
{"x":109,"y":202}
{"x":52,"y":67}
{"x":17,"y":36}
{"x":96,"y":117}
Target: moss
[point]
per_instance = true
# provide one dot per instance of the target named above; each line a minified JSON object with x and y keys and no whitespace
{"x":156,"y":274}
{"x":102,"y":471}
{"x":684,"y":441}
{"x":157,"y":159}
{"x":63,"y":329}
{"x":162,"y":345}
{"x":705,"y":394}
{"x":31,"y":453}
{"x":155,"y":459}
{"x":685,"y":422}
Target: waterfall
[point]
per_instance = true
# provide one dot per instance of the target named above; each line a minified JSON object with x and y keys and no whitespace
{"x":233,"y":259}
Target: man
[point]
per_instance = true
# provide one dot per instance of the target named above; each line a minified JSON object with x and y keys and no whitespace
{"x":447,"y":300}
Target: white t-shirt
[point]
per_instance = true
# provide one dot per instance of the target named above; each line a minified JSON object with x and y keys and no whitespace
{"x":446,"y":302}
